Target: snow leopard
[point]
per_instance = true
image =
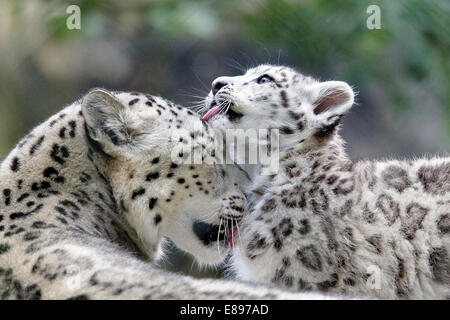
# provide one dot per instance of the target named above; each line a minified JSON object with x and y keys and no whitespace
{"x":87,"y":196}
{"x":322,"y":222}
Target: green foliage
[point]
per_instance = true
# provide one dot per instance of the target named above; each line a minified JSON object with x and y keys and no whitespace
{"x":331,"y":37}
{"x":193,"y":19}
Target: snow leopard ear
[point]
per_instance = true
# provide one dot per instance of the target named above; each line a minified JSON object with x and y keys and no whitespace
{"x":331,"y":100}
{"x":109,"y":123}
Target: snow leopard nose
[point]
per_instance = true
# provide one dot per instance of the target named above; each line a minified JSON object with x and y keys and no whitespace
{"x":218,"y":84}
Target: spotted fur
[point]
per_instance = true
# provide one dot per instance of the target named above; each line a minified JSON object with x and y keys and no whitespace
{"x":86,"y":197}
{"x":378,"y":228}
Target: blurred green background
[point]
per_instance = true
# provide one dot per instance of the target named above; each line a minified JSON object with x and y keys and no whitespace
{"x":176,"y":48}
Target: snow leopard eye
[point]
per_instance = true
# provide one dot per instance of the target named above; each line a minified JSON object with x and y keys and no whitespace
{"x":263,"y":79}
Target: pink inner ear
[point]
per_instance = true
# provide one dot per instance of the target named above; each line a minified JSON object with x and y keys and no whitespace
{"x":329,"y":100}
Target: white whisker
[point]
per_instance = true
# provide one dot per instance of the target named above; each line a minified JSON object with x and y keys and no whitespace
{"x":218,"y":236}
{"x":232,"y":232}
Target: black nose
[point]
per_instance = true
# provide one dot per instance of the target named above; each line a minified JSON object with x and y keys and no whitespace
{"x":217,"y":85}
{"x":206,"y":232}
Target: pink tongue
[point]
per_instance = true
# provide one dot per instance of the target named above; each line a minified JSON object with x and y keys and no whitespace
{"x":231,"y":234}
{"x":211,"y":113}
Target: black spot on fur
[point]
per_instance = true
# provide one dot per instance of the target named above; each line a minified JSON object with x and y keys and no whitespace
{"x":36,"y":146}
{"x":69,"y":204}
{"x":14,"y":231}
{"x":30,"y":236}
{"x":73,"y":126}
{"x":295,"y":116}
{"x":152,"y":203}
{"x":4,"y":247}
{"x":349,"y":282}
{"x":310,"y":258}
{"x":49,"y":171}
{"x":59,"y":153}
{"x":137,"y":193}
{"x":412,"y":221}
{"x":133,"y":101}
{"x":41,"y":225}
{"x":286,"y":130}
{"x":62,"y":133}
{"x":269,"y":205}
{"x":435,"y":179}
{"x":256,"y":245}
{"x":284,"y":99}
{"x":85,"y":177}
{"x":22,"y":197}
{"x":439,"y":260}
{"x":155,"y":160}
{"x":376,"y":242}
{"x":40,"y":186}
{"x":7,"y":194}
{"x":157,"y":219}
{"x":304,"y":227}
{"x":401,"y":285}
{"x":443,"y":224}
{"x":152,"y":176}
{"x":388,"y":207}
{"x":61,"y":210}
{"x":15,"y":165}
{"x":396,"y":177}
{"x":21,"y":215}
{"x":281,"y":232}
{"x":303,"y":285}
{"x":62,"y":220}
{"x":33,"y":292}
{"x":325,"y":285}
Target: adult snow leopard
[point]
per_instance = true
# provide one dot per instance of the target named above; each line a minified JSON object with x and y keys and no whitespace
{"x":91,"y":191}
{"x":379,"y":228}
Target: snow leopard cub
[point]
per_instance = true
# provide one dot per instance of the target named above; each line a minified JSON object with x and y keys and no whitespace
{"x":378,"y":228}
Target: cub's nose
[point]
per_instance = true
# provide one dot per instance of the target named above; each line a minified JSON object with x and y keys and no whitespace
{"x":218,"y":84}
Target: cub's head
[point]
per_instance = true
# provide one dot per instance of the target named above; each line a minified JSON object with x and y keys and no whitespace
{"x":278,"y":97}
{"x":142,"y":144}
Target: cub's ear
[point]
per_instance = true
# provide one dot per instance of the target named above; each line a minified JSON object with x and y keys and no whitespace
{"x":331,"y":100}
{"x":110,"y":124}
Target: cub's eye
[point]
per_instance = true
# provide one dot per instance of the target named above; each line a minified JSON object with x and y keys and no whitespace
{"x":263,"y":79}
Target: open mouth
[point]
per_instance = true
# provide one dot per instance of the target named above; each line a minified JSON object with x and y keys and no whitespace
{"x":228,"y":111}
{"x":208,"y":233}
